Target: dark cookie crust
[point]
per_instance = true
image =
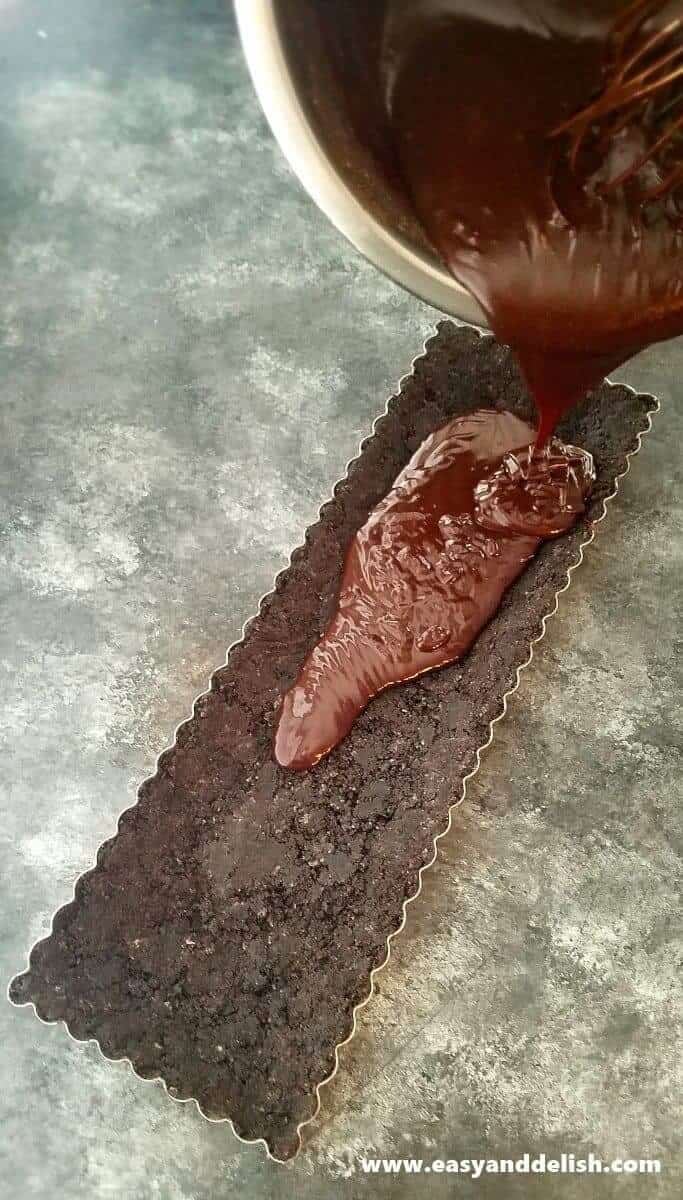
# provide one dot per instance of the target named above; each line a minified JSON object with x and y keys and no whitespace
{"x":230,"y":927}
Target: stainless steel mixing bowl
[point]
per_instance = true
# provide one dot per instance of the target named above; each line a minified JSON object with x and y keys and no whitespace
{"x":305,"y":110}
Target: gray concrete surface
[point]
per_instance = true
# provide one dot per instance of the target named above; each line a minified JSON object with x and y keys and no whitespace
{"x":189,"y":356}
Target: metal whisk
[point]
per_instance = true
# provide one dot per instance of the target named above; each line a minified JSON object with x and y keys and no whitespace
{"x":644,"y":85}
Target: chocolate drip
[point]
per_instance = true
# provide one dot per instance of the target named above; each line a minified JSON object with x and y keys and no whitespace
{"x":429,"y":567}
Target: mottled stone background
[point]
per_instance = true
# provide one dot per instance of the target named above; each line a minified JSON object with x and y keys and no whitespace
{"x":189,"y":356}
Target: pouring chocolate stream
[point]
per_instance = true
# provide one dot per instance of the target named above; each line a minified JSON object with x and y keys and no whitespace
{"x":543,"y":152}
{"x":512,"y":136}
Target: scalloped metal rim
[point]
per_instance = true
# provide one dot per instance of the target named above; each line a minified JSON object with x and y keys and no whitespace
{"x":456,"y":803}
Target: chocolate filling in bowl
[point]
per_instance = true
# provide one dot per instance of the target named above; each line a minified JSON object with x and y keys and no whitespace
{"x":231,"y":926}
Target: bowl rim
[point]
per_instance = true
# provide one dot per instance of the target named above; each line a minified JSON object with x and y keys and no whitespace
{"x":418,"y":273}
